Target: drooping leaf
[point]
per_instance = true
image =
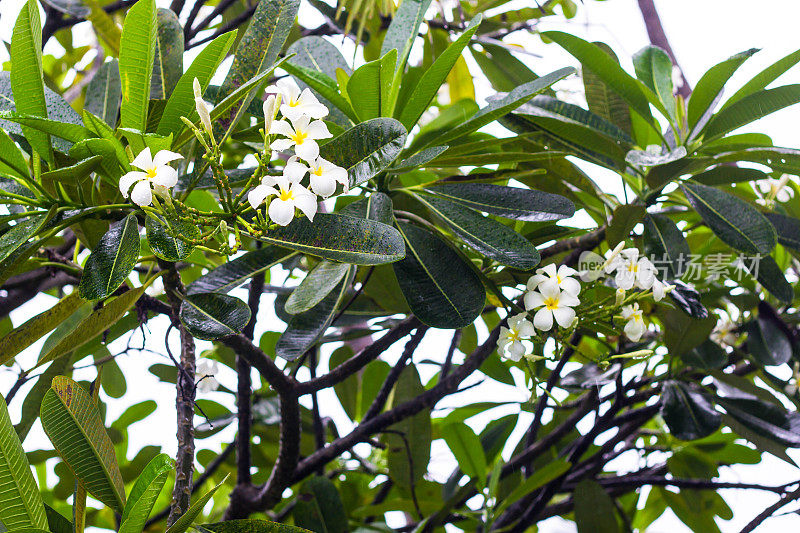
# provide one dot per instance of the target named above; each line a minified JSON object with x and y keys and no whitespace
{"x":319,"y":507}
{"x":765,"y":77}
{"x":441,"y":289}
{"x":168,"y":64}
{"x":787,"y":228}
{"x":710,"y":85}
{"x":317,"y":284}
{"x":654,"y":68}
{"x":145,"y":492}
{"x":767,"y":341}
{"x":765,"y":419}
{"x":11,"y":156}
{"x":682,"y":332}
{"x":708,"y":355}
{"x":666,"y":244}
{"x":33,"y":400}
{"x":187,"y":519}
{"x":366,"y":149}
{"x":594,"y":510}
{"x":136,"y":56}
{"x":71,"y":419}
{"x":419,"y":159}
{"x":602,"y":99}
{"x":19,"y":234}
{"x":409,"y":454}
{"x":540,"y":477}
{"x":210,"y":315}
{"x":688,"y":414}
{"x":734,"y":221}
{"x":771,"y":276}
{"x":725,"y":174}
{"x":104,"y":93}
{"x":112,"y":260}
{"x":466,"y":448}
{"x":623,"y":220}
{"x":367,"y":88}
{"x":230,"y":275}
{"x":509,"y":202}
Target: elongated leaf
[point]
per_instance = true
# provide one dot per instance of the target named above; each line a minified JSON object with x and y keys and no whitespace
{"x":305,"y":329}
{"x":365,"y":88}
{"x":750,"y":108}
{"x":539,"y":478}
{"x":11,"y":155}
{"x":167,"y":247}
{"x":168,"y":65}
{"x":136,"y":56}
{"x":547,"y":106}
{"x":33,"y":329}
{"x":765,"y":77}
{"x":709,"y":355}
{"x":56,"y":522}
{"x":93,"y":325}
{"x":654,"y":68}
{"x":71,"y":419}
{"x":419,"y":159}
{"x":209,"y":316}
{"x":734,"y":221}
{"x":508,"y":202}
{"x":145,"y":493}
{"x":340,"y":238}
{"x":230,"y":275}
{"x":317,"y":284}
{"x":772,"y":278}
{"x":20,"y":502}
{"x":181,"y":101}
{"x":666,"y":244}
{"x":466,"y":448}
{"x":185,"y":522}
{"x":710,"y":85}
{"x":367,"y":149}
{"x":403,"y":30}
{"x":69,"y":132}
{"x":594,"y":510}
{"x":112,"y":260}
{"x":409,"y":455}
{"x":104,"y":25}
{"x":320,"y":508}
{"x":19,"y":234}
{"x":767,"y":341}
{"x":33,"y":399}
{"x":725,"y":174}
{"x":603,"y":100}
{"x":104,"y":93}
{"x":249,"y":526}
{"x":787,"y":228}
{"x":433,"y":78}
{"x":688,"y":414}
{"x":765,"y":419}
{"x":486,"y":236}
{"x":257,"y":51}
{"x":440,"y":288}
{"x":27,"y":80}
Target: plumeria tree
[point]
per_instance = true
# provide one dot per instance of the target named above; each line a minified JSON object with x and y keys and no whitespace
{"x":155,"y":209}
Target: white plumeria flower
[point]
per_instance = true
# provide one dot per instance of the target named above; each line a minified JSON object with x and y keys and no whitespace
{"x":632,"y":270}
{"x":290,"y":195}
{"x":554,"y":303}
{"x":562,"y":277}
{"x":725,"y":333}
{"x":510,"y":342}
{"x":269,"y":111}
{"x":660,"y":289}
{"x":153,"y":170}
{"x":205,"y":372}
{"x":302,"y":134}
{"x":202,"y":108}
{"x":776,"y":189}
{"x":324,"y":176}
{"x":297,"y":103}
{"x":634,"y":328}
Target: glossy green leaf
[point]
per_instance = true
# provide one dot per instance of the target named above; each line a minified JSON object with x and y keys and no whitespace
{"x":594,"y":510}
{"x":765,"y":77}
{"x":230,"y":275}
{"x":688,"y":414}
{"x":653,"y":67}
{"x":726,"y":174}
{"x":408,"y":456}
{"x":602,"y":99}
{"x":181,"y":101}
{"x":33,"y":399}
{"x":367,"y":87}
{"x":72,"y":174}
{"x":319,"y":507}
{"x":20,"y":502}
{"x":488,"y":237}
{"x":466,"y":448}
{"x":109,"y":164}
{"x":403,"y":30}
{"x":736,"y":222}
{"x":441,"y":289}
{"x":112,"y":260}
{"x":540,"y":477}
{"x":145,"y":492}
{"x":666,"y":244}
{"x":168,"y":65}
{"x":767,"y":341}
{"x":19,"y":234}
{"x":164,"y":245}
{"x":429,"y":84}
{"x":11,"y":156}
{"x":751,"y":108}
{"x":623,"y":220}
{"x":56,"y":522}
{"x":340,"y":238}
{"x":377,"y":206}
{"x":71,"y":133}
{"x":27,"y":80}
{"x":708,"y":355}
{"x":772,"y":278}
{"x":136,"y":56}
{"x":187,"y":519}
{"x":419,"y":159}
{"x":366,"y":149}
{"x":709,"y":88}
{"x":249,"y":526}
{"x":549,"y":107}
{"x":209,"y":316}
{"x":787,"y":228}
{"x":508,"y":202}
{"x":104,"y":93}
{"x":682,"y":332}
{"x":71,"y":419}
{"x":317,"y":284}
{"x":765,"y":419}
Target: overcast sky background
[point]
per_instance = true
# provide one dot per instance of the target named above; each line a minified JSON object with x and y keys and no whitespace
{"x":702,"y":33}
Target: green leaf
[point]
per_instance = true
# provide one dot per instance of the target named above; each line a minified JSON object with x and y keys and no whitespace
{"x":19,"y":234}
{"x":709,"y":355}
{"x":751,"y":108}
{"x":33,"y":400}
{"x":71,"y":419}
{"x":181,"y":101}
{"x":508,"y":202}
{"x":340,"y":238}
{"x":27,"y":80}
{"x":688,"y":414}
{"x":772,"y":278}
{"x":765,"y":77}
{"x":547,"y":106}
{"x":419,"y":159}
{"x":604,"y":101}
{"x":366,"y":149}
{"x":654,"y":68}
{"x":408,"y":465}
{"x":725,"y":174}
{"x":787,"y":228}
{"x":185,"y":522}
{"x":767,"y":341}
{"x":249,"y":526}
{"x":403,"y":30}
{"x":765,"y":419}
{"x":319,"y":507}
{"x":736,"y":222}
{"x":366,"y":88}
{"x":93,"y":325}
{"x":111,"y":169}
{"x":230,"y":275}
{"x":540,"y":477}
{"x":709,"y":88}
{"x":623,"y":220}
{"x":467,"y":449}
{"x":431,"y":81}
{"x":136,"y":56}
{"x":20,"y":502}
{"x":64,"y":130}
{"x":488,"y":237}
{"x":682,"y":332}
{"x":257,"y":51}
{"x":112,"y":260}
{"x":594,"y":510}
{"x":35,"y":328}
{"x":145,"y":492}
{"x":666,"y":244}
{"x":441,"y":289}
{"x":317,"y":284}
{"x":168,"y":66}
{"x":164,"y":245}
{"x":328,"y":91}
{"x":501,"y":105}
{"x":56,"y":522}
{"x":305,"y":329}
{"x":104,"y":93}
{"x":12,"y":156}
{"x":210,"y":315}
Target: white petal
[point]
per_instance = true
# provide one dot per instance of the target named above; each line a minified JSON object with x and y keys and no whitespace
{"x":259,"y":193}
{"x":634,"y":330}
{"x":564,"y":316}
{"x":322,"y":185}
{"x":305,"y":201}
{"x":318,"y":130}
{"x":571,"y":285}
{"x":548,"y":270}
{"x":281,"y":212}
{"x":515,"y":351}
{"x":294,"y":170}
{"x":164,"y":157}
{"x":166,"y":177}
{"x":308,"y":150}
{"x":526,"y":329}
{"x":565,"y":271}
{"x":533,"y":300}
{"x":281,"y":145}
{"x":543,"y":319}
{"x":281,"y":127}
{"x":198,"y":91}
{"x":534,"y":281}
{"x":126,"y":181}
{"x":568,"y":300}
{"x":624,"y":278}
{"x":142,"y":194}
{"x":288,"y":88}
{"x":144,"y":160}
{"x":549,"y":289}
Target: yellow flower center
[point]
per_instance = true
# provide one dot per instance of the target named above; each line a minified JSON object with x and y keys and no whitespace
{"x":513,"y":335}
{"x":551,"y":303}
{"x":151,"y":173}
{"x":293,"y":102}
{"x":633,"y":267}
{"x":558,"y":279}
{"x":637,"y":316}
{"x":317,"y":171}
{"x":286,"y":194}
{"x":299,"y":137}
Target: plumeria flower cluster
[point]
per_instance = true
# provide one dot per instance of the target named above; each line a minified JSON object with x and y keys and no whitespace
{"x":153,"y":172}
{"x":298,"y":131}
{"x":775,"y":190}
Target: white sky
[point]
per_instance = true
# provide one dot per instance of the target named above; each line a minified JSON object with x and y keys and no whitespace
{"x":702,"y":33}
